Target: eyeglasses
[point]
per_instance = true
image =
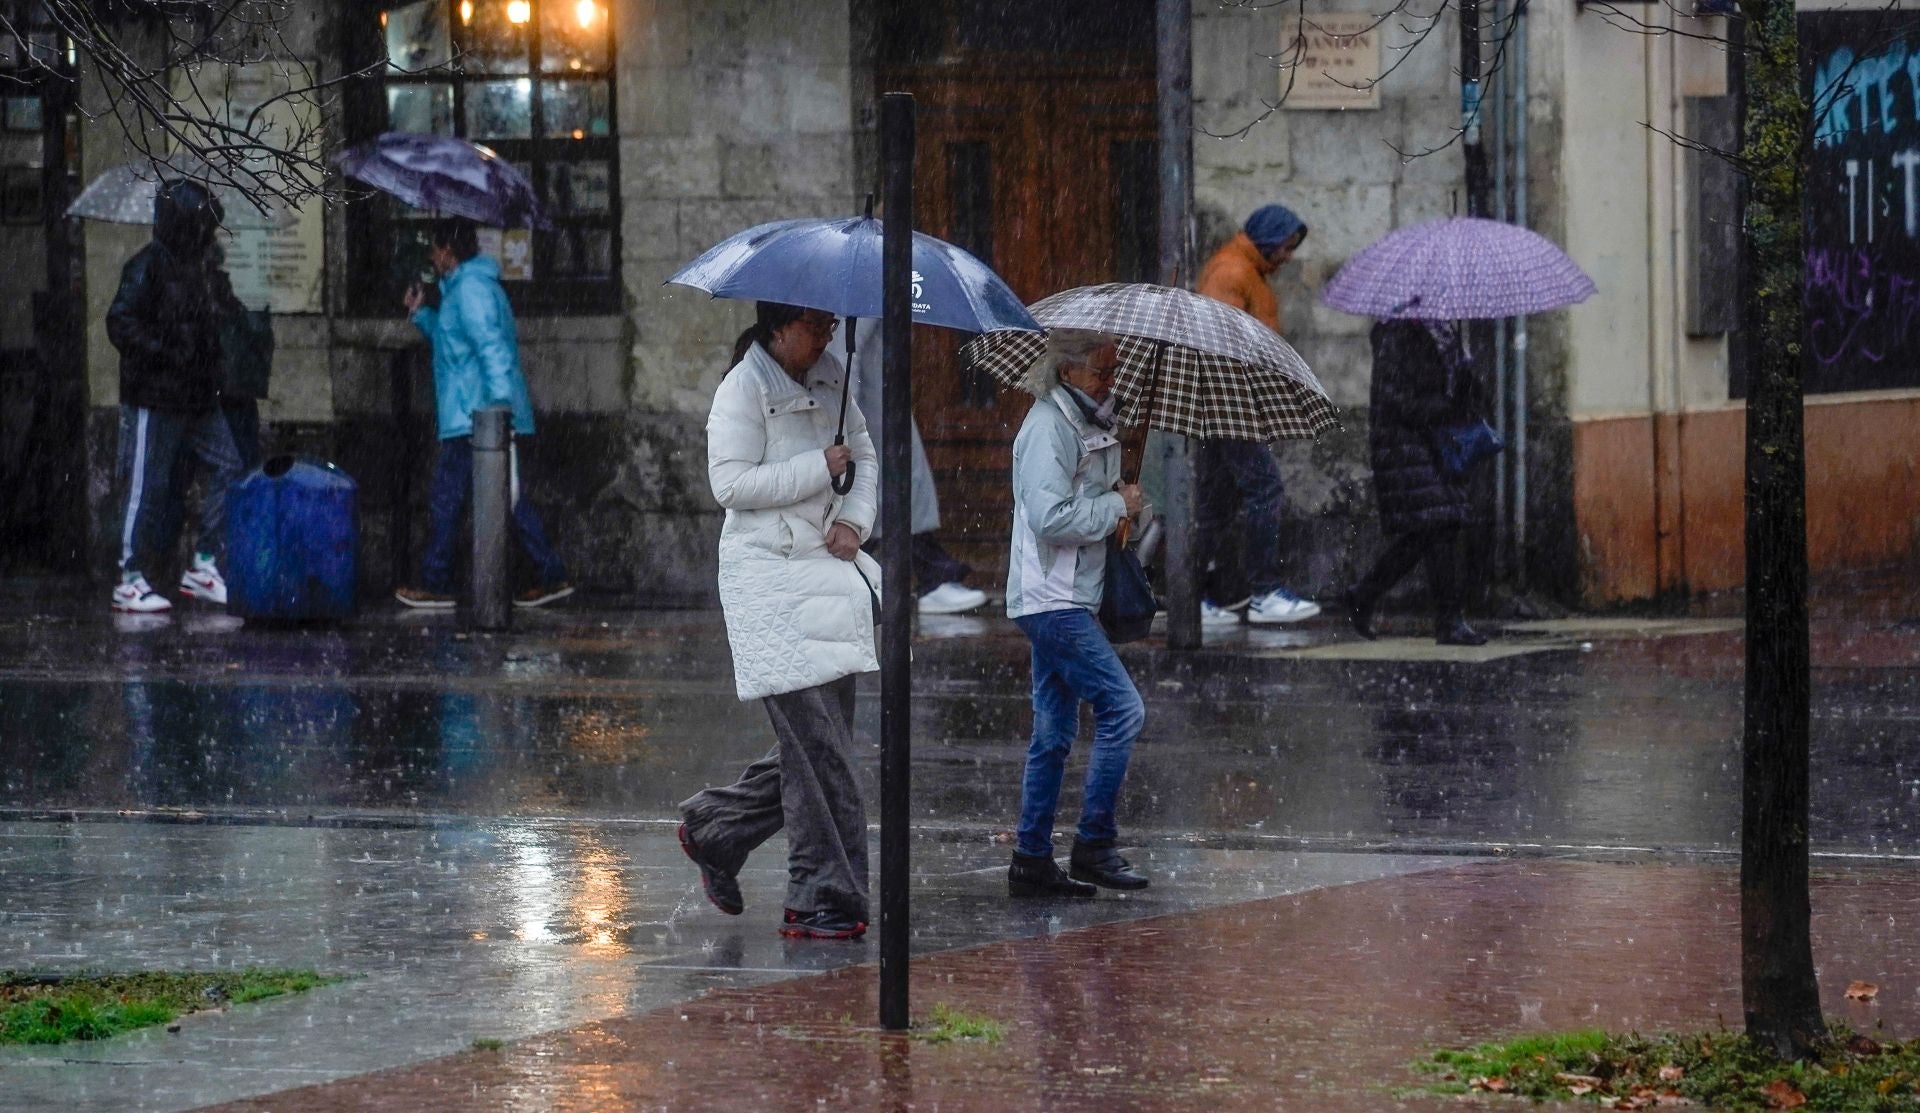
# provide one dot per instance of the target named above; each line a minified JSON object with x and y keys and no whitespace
{"x":1099,"y":372}
{"x":819,"y":326}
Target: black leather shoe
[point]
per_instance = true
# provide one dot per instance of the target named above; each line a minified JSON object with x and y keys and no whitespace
{"x":1359,"y":615}
{"x":1041,"y":876}
{"x":1457,"y":632}
{"x":821,"y":925}
{"x":1101,"y":864}
{"x":722,"y":890}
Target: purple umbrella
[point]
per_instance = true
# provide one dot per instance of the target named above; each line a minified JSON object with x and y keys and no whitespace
{"x":445,"y":174}
{"x":1456,"y":269}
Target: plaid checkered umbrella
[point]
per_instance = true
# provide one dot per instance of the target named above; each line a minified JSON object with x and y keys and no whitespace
{"x":1188,"y":364}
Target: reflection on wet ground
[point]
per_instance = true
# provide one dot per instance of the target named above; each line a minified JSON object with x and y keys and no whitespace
{"x":492,"y":930}
{"x":1315,"y":1001}
{"x":1611,"y":736}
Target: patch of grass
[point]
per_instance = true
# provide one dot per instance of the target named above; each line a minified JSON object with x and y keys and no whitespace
{"x":1723,"y":1070}
{"x":488,"y":1043}
{"x":948,"y":1024}
{"x":49,"y":1009}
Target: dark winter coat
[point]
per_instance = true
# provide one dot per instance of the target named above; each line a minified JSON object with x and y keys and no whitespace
{"x":1414,"y":396}
{"x":165,"y":319}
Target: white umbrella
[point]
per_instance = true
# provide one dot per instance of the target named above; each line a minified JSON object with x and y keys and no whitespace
{"x":124,"y":195}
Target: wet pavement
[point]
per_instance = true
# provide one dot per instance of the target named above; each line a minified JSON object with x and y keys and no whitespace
{"x":1608,"y":733}
{"x":1314,"y":1001}
{"x":489,"y":931}
{"x":478,"y":830}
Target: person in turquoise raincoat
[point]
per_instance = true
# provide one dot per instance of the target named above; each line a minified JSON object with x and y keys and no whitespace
{"x":476,"y":363}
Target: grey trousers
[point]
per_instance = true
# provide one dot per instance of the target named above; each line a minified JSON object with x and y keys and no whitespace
{"x":805,"y":784}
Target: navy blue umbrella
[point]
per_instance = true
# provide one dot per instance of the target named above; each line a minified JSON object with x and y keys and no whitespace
{"x":833,"y":264}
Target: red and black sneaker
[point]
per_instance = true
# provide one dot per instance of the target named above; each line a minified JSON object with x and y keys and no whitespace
{"x":822,"y":925}
{"x":721,"y":888}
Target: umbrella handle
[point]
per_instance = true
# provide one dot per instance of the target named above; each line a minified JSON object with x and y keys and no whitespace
{"x":843,"y":482}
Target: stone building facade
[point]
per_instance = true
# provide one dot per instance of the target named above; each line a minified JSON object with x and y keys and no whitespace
{"x":1037,"y":127}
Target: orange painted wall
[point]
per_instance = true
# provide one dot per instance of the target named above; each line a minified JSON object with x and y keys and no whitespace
{"x":1863,"y":495}
{"x":1613,"y":500}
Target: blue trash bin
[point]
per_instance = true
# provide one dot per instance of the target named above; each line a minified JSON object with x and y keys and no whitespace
{"x":293,"y":542}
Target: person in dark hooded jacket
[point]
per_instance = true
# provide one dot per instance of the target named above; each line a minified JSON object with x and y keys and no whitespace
{"x":165,"y":322}
{"x":1422,"y":383}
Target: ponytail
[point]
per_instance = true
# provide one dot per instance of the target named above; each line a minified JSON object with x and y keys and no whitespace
{"x":769,"y":317}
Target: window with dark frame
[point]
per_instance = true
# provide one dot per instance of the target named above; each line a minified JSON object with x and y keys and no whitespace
{"x":531,"y":80}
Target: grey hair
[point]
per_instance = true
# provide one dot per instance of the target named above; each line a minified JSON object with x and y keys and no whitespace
{"x":1066,"y":347}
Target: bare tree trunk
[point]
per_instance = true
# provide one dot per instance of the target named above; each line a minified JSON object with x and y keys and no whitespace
{"x":1777,"y":982}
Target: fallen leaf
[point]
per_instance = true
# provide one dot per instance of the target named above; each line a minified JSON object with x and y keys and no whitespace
{"x":1862,"y":991}
{"x":1494,"y":1085}
{"x":1579,"y":1090}
{"x":1671,"y":1098}
{"x":1862,"y":1045}
{"x":1632,"y":1103}
{"x":1781,"y":1094}
{"x":1672,"y":1073}
{"x":1572,"y":1080}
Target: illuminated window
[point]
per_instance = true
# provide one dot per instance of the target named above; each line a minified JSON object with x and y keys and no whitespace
{"x":531,"y":79}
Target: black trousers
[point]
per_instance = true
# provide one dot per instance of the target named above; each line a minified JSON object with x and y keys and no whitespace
{"x":1438,"y":547}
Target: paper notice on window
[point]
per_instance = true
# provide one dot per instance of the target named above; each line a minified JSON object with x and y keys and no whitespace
{"x":281,"y":268}
{"x":1330,"y":61}
{"x":512,"y":248}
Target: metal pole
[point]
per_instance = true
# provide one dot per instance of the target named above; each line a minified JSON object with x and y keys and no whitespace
{"x":1175,"y":66}
{"x":1520,"y":323}
{"x":896,"y":546}
{"x":1502,"y":150}
{"x":492,"y":501}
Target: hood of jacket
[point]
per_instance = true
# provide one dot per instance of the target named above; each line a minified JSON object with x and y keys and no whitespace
{"x":1272,"y":225}
{"x":186,"y":215}
{"x":480,"y":266}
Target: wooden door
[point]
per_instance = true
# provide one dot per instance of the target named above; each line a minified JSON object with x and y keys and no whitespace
{"x":1051,"y":181}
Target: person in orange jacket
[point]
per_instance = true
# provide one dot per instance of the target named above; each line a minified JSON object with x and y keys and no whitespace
{"x":1234,"y":475}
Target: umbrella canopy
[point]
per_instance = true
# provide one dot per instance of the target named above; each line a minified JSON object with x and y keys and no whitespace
{"x":834,"y":265}
{"x":124,"y":194}
{"x":1455,"y":269}
{"x":446,"y":174}
{"x":1188,"y":364}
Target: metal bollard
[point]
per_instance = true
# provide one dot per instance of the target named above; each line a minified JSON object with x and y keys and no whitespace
{"x":492,"y":502}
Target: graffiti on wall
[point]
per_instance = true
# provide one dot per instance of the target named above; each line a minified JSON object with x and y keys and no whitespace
{"x":1862,"y":77}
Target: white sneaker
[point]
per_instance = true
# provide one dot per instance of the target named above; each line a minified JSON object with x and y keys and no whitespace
{"x":136,"y":597}
{"x":1211,"y":615}
{"x":203,"y":582}
{"x":951,"y":598}
{"x":1280,"y":605}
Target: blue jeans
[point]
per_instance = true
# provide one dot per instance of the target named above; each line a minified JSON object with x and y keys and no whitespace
{"x":1233,"y":475}
{"x":1074,"y":662}
{"x":447,"y":500}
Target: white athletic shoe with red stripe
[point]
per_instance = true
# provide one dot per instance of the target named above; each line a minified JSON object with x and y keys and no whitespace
{"x":136,"y":597}
{"x":203,"y":582}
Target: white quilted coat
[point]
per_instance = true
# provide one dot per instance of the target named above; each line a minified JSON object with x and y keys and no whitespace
{"x":797,"y":616}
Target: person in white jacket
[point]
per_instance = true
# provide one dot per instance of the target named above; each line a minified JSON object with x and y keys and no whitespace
{"x":800,"y":599}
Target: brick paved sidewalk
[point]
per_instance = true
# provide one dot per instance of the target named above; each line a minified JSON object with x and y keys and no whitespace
{"x":1315,"y":1001}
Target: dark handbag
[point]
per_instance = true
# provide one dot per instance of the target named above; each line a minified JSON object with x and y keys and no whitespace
{"x":1127,"y":605}
{"x":246,"y":350}
{"x":1460,"y":447}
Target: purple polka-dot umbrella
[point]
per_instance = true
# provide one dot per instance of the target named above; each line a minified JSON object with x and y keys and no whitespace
{"x":1457,"y":269}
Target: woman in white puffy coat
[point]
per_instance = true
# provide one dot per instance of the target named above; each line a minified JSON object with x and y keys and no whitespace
{"x":799,"y":598}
